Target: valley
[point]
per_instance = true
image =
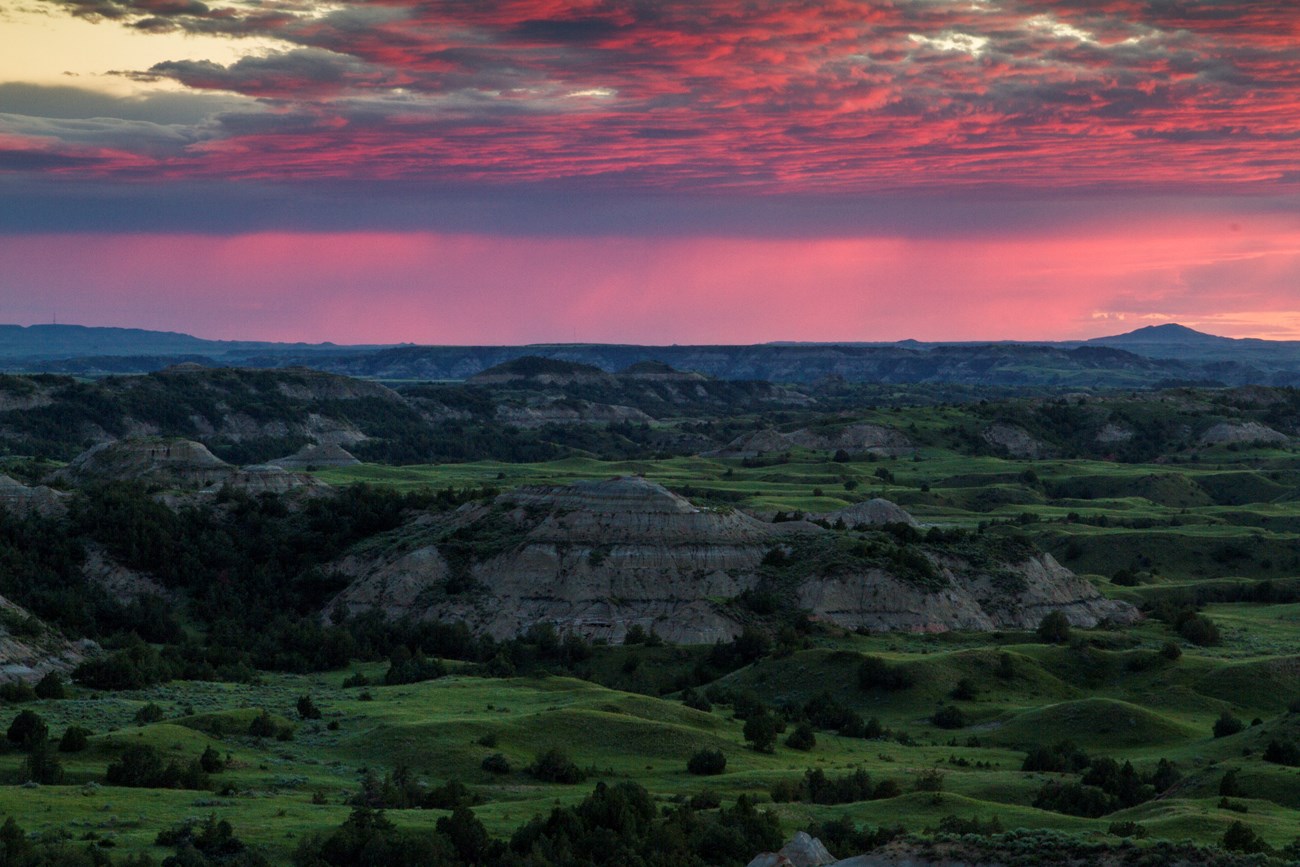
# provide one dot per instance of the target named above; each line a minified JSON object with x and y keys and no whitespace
{"x":842,"y":591}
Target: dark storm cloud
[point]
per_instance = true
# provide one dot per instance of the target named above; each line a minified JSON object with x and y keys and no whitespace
{"x":306,"y":72}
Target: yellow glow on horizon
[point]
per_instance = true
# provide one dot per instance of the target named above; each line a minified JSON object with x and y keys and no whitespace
{"x":48,"y":47}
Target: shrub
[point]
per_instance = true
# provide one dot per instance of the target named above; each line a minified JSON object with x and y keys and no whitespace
{"x":1227,"y":724}
{"x":929,"y":780}
{"x":211,"y":761}
{"x":150,"y":713}
{"x":964,"y":690}
{"x":27,"y":729}
{"x":876,"y":673}
{"x":1062,"y":758}
{"x":817,"y":788}
{"x":1282,"y":753}
{"x":1171,"y":651}
{"x":307,"y":708}
{"x":406,"y":667}
{"x":51,"y":686}
{"x":17,"y":691}
{"x":696,"y":701}
{"x":1240,"y":837}
{"x":142,"y":766}
{"x":760,"y":732}
{"x":496,"y":763}
{"x":450,"y":795}
{"x":41,"y":765}
{"x":74,"y":740}
{"x":554,"y":766}
{"x":802,"y":738}
{"x":1127,"y":829}
{"x":262,"y":726}
{"x":1199,"y":630}
{"x":1054,"y":628}
{"x":1229,"y":787}
{"x":706,"y":763}
{"x":949,"y":717}
{"x":355,"y":679}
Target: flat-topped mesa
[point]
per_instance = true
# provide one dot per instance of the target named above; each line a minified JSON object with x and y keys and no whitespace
{"x":176,"y":462}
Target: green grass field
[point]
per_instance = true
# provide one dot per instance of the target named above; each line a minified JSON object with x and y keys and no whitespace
{"x":1223,"y":522}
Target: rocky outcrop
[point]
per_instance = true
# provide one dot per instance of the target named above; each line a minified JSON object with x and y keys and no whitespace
{"x":1015,"y":441}
{"x":24,"y":499}
{"x":802,"y":851}
{"x":1225,"y":433}
{"x":29,"y":649}
{"x":599,"y":557}
{"x":872,"y":513}
{"x":122,"y":584}
{"x":264,"y":479}
{"x":1114,"y":433}
{"x":567,"y":411}
{"x":592,"y":557}
{"x":854,"y":439}
{"x":169,"y":462}
{"x":316,"y":456}
{"x":1013,"y":596}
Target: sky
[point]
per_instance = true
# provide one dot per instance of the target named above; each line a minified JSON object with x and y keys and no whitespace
{"x":651,"y":171}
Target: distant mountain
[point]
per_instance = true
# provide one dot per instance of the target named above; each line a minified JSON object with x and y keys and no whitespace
{"x":1173,"y":341}
{"x":62,"y":342}
{"x":1155,"y":355}
{"x":1170,"y":332}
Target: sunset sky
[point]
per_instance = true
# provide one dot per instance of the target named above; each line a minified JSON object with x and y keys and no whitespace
{"x":667,"y":171}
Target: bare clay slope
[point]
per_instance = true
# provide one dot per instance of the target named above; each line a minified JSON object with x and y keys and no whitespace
{"x":598,"y":557}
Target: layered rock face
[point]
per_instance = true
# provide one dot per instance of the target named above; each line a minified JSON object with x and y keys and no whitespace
{"x":1241,"y":432}
{"x":24,"y":499}
{"x":1017,"y":596}
{"x":178,"y":463}
{"x":593,"y":557}
{"x":147,"y":459}
{"x":29,"y":649}
{"x":874,"y":512}
{"x":316,"y":455}
{"x":596,"y":558}
{"x":1015,"y":441}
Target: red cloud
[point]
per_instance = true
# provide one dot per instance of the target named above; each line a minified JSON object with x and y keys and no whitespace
{"x":813,"y":97}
